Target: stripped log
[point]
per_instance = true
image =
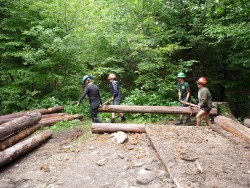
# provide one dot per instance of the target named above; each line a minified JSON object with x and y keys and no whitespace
{"x":54,"y":115}
{"x":18,"y":124}
{"x":49,"y":122}
{"x":153,"y":109}
{"x":113,"y":127}
{"x":13,"y":139}
{"x":42,"y":111}
{"x":247,"y":122}
{"x":233,"y":127}
{"x":23,"y":147}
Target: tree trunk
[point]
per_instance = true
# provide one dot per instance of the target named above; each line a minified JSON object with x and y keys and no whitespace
{"x":113,"y":127}
{"x":153,"y":109}
{"x":233,"y":127}
{"x":23,"y":147}
{"x":247,"y":122}
{"x":17,"y":124}
{"x":53,"y":115}
{"x":42,"y":111}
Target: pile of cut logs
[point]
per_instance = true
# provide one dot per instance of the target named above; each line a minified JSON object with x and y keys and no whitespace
{"x":18,"y":126}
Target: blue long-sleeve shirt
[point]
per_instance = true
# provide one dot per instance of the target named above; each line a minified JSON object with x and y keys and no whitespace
{"x":93,"y":93}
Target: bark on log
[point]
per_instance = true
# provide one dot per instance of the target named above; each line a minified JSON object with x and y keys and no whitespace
{"x":18,"y":124}
{"x":233,"y":127}
{"x":23,"y":147}
{"x":247,"y":122}
{"x":49,"y":122}
{"x":113,"y":127}
{"x":42,"y":111}
{"x":153,"y":109}
{"x":13,"y":139}
{"x":54,"y":114}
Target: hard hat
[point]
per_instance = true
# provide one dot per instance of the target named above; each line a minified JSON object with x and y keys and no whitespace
{"x":85,"y":78}
{"x":111,"y":76}
{"x":181,"y":75}
{"x":202,"y":80}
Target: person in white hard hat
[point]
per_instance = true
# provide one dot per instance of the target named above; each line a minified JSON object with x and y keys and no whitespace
{"x":116,"y":95}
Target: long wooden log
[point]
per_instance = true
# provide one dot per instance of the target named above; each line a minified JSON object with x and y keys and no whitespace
{"x":42,"y":111}
{"x":13,"y":139}
{"x":247,"y":122}
{"x":23,"y":147}
{"x":17,"y":137}
{"x":18,"y":124}
{"x":53,"y":115}
{"x":113,"y":127}
{"x":153,"y":109}
{"x":233,"y":127}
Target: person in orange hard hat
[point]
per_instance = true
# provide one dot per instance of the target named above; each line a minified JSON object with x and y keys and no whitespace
{"x":205,"y":101}
{"x":116,"y":95}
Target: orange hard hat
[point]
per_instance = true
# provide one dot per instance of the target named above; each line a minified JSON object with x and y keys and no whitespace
{"x":111,"y":76}
{"x":202,"y":80}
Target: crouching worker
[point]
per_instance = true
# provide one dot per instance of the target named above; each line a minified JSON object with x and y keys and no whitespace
{"x":93,"y":93}
{"x":205,"y":101}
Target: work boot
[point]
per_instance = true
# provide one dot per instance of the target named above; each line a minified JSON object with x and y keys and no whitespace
{"x":179,"y":122}
{"x":188,"y":120}
{"x":112,"y":120}
{"x":97,"y":120}
{"x":123,"y":118}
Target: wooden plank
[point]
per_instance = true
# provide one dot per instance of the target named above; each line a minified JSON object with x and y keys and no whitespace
{"x":199,"y":157}
{"x":113,"y":127}
{"x":233,"y":127}
{"x":153,"y":109}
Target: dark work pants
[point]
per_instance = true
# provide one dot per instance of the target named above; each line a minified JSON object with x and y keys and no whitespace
{"x":94,"y":112}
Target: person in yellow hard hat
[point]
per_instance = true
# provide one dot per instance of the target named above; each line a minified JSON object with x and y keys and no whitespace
{"x":205,"y":101}
{"x":183,"y":95}
{"x":116,"y":95}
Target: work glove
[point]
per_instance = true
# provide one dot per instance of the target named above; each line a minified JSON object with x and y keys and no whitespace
{"x":77,"y":104}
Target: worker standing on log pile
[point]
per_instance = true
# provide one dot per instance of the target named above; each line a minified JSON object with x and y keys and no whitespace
{"x":183,"y":95}
{"x":205,"y":101}
{"x":116,"y":95}
{"x":93,"y":93}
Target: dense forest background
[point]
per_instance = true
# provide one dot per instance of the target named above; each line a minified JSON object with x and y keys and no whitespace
{"x":47,"y":46}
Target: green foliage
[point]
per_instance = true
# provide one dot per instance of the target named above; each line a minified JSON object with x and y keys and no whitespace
{"x":47,"y":46}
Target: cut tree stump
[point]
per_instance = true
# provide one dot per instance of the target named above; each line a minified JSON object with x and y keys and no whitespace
{"x":153,"y":109}
{"x":233,"y":127}
{"x":247,"y":122}
{"x":113,"y":127}
{"x":18,"y":124}
{"x":23,"y":147}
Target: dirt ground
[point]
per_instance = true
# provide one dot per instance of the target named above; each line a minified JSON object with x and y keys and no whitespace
{"x":166,"y":157}
{"x":96,"y":162}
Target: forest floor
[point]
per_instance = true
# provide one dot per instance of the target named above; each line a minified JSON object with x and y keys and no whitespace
{"x":168,"y":156}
